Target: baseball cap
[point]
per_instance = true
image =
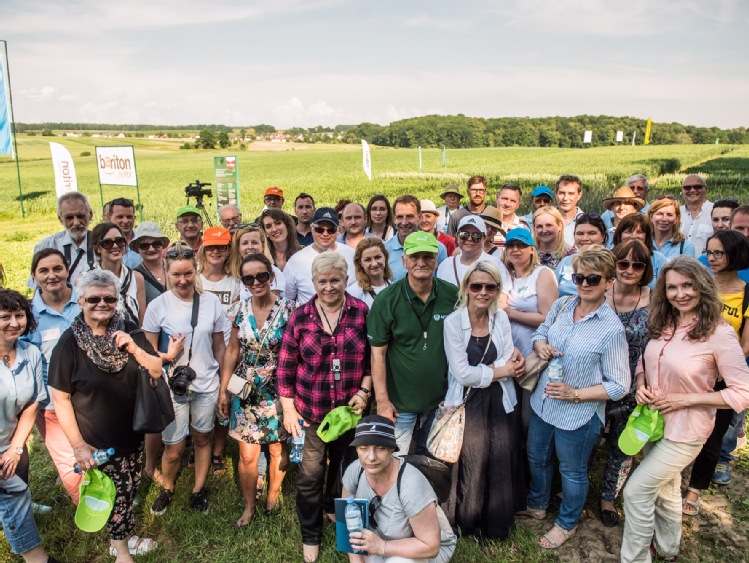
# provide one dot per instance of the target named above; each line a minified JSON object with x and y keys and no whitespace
{"x":187,"y":209}
{"x":97,"y":493}
{"x":337,"y":422}
{"x":216,"y":236}
{"x":542,"y":190}
{"x":420,"y":242}
{"x":474,"y":220}
{"x":521,"y":235}
{"x":274,"y":190}
{"x":644,"y":425}
{"x":376,"y":430}
{"x":427,"y":206}
{"x":694,"y":180}
{"x":325,"y":214}
{"x":451,"y":189}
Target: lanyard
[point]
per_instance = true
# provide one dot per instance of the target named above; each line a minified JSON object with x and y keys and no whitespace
{"x":335,"y":360}
{"x":423,"y":325}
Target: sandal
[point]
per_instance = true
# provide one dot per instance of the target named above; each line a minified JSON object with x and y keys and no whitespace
{"x":556,"y":537}
{"x":539,"y":514}
{"x":136,"y":546}
{"x":691,"y":507}
{"x":218,"y":464}
{"x":666,"y":558}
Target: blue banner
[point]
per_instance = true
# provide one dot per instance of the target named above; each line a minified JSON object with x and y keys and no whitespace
{"x":5,"y":138}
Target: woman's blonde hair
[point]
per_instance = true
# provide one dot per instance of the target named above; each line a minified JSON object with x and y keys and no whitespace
{"x":560,"y":248}
{"x":361,"y":276}
{"x":488,"y":268}
{"x":225,"y":269}
{"x":235,"y":258}
{"x":709,"y":312}
{"x":181,"y":247}
{"x":659,"y":204}
{"x":596,"y":258}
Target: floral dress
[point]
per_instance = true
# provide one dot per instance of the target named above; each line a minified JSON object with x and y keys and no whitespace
{"x":258,"y":420}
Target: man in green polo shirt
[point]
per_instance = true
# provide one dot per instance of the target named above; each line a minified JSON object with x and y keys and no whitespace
{"x":409,"y":367}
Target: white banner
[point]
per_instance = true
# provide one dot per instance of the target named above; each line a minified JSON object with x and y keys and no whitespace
{"x":366,"y":159}
{"x":62,"y":162}
{"x":116,"y":166}
{"x":588,"y":137}
{"x":619,"y":136}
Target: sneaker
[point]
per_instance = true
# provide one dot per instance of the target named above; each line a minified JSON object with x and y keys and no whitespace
{"x":40,"y":508}
{"x":722,"y":475}
{"x":199,"y":501}
{"x":162,"y":501}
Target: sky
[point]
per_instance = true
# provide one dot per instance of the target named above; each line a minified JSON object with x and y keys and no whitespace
{"x":328,"y":62}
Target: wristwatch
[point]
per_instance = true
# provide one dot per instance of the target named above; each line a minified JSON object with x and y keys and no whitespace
{"x":576,"y":398}
{"x":18,"y":451}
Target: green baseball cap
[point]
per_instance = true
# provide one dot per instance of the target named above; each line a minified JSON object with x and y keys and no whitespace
{"x":420,"y":242}
{"x":644,"y":425}
{"x":97,"y":493}
{"x":187,"y":209}
{"x":336,"y":423}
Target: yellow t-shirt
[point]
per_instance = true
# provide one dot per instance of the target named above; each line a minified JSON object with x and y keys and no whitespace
{"x":732,"y":309}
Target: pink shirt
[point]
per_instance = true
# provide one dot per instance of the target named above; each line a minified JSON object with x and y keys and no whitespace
{"x":693,"y":367}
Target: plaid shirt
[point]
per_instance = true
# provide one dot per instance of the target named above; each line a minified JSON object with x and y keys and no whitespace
{"x":305,"y":366}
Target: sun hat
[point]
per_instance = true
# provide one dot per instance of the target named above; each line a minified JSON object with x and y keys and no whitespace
{"x":216,"y":236}
{"x":694,"y":180}
{"x":337,"y":422}
{"x":97,"y":493}
{"x":542,"y":190}
{"x":274,"y":190}
{"x":325,"y":214}
{"x":148,"y":229}
{"x":492,"y":216}
{"x":427,"y":206}
{"x":473,"y":220}
{"x":452,"y":189}
{"x":375,"y":430}
{"x":644,"y":425}
{"x":625,"y":195}
{"x":521,"y":235}
{"x":187,"y":209}
{"x":420,"y":242}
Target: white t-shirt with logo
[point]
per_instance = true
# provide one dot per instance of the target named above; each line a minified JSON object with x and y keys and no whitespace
{"x":447,"y":269}
{"x":227,"y":290}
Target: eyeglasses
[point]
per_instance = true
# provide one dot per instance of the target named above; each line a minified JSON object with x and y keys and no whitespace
{"x":672,"y":198}
{"x":717,"y":254}
{"x":110,"y":243}
{"x":217,"y":248}
{"x":156,"y":245}
{"x":475,"y":237}
{"x":695,"y":187}
{"x":374,"y":504}
{"x":184,"y":253}
{"x":625,"y":265}
{"x":320,"y":230}
{"x":95,"y":300}
{"x":479,"y":287}
{"x":592,"y":279}
{"x":189,"y":220}
{"x":262,"y":277}
{"x":232,"y":220}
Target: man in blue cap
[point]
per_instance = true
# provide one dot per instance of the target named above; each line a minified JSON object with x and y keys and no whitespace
{"x":540,"y":197}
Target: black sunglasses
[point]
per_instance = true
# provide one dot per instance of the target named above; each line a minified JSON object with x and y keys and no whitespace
{"x":474,"y":236}
{"x":624,"y":265}
{"x":374,"y":504}
{"x":96,"y":300}
{"x":156,"y":245}
{"x":478,"y":287}
{"x":320,"y":230}
{"x":110,"y":243}
{"x":122,"y":202}
{"x":262,"y":277}
{"x":592,"y":279}
{"x":693,"y":187}
{"x":184,"y":253}
{"x":672,"y":198}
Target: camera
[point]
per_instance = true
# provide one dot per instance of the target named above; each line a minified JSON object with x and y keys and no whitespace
{"x":180,"y":379}
{"x":196,"y":190}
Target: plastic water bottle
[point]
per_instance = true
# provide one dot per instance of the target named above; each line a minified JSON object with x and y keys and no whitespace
{"x":100,"y":456}
{"x":297,"y":443}
{"x":555,"y":370}
{"x":354,"y":521}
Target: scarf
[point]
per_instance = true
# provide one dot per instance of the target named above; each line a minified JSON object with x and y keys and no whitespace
{"x":101,"y":349}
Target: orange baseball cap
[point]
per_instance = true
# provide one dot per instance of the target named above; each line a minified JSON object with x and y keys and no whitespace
{"x":216,"y":236}
{"x":274,"y":190}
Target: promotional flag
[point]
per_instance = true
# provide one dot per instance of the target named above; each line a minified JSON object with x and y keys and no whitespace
{"x":634,"y":136}
{"x":420,"y":161}
{"x":647,"y":131}
{"x":444,"y":156}
{"x":588,"y":137}
{"x":116,"y":166}
{"x":619,"y":136}
{"x":6,"y":144}
{"x":366,"y":159}
{"x":62,"y":162}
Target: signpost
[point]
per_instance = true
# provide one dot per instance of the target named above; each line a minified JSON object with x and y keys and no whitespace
{"x":117,"y":168}
{"x":226,"y":174}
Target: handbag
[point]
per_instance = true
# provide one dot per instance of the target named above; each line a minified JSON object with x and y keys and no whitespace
{"x":445,"y":438}
{"x":154,"y":410}
{"x":535,"y":364}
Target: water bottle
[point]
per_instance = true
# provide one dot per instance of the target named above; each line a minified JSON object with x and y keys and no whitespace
{"x":555,"y":370}
{"x":354,"y":521}
{"x":297,"y":443}
{"x":100,"y":456}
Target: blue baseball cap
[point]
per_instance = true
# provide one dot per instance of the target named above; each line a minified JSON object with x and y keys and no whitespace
{"x":542,"y":190}
{"x":519,"y":234}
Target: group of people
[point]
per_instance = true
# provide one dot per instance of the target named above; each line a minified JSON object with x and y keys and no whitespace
{"x":394,"y":311}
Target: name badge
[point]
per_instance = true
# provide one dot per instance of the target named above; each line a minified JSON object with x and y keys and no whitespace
{"x":50,"y":334}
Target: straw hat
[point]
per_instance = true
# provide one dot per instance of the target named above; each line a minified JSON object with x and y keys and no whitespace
{"x":624,"y":195}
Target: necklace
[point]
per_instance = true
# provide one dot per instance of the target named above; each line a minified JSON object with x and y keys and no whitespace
{"x":613,"y":299}
{"x":6,"y":360}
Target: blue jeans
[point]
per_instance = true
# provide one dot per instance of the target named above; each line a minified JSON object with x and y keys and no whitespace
{"x":17,"y":516}
{"x":573,"y":448}
{"x":406,"y":423}
{"x":731,"y":437}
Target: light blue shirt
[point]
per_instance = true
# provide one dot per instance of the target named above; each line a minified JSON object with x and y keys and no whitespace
{"x":608,"y":216}
{"x":21,"y":385}
{"x":671,"y":249}
{"x":395,"y":252}
{"x":564,"y":273}
{"x":595,"y":353}
{"x":342,"y":237}
{"x":51,"y":325}
{"x":132,"y":259}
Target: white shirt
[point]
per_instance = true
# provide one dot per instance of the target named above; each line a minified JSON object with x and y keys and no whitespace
{"x":446,"y":270}
{"x":698,"y":229}
{"x":569,"y":229}
{"x":355,"y":290}
{"x":227,"y":291}
{"x":70,"y":249}
{"x":298,"y":272}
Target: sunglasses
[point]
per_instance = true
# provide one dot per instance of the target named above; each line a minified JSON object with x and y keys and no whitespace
{"x":592,"y":215}
{"x":475,"y":237}
{"x":245,"y":225}
{"x":217,"y":248}
{"x":320,"y":230}
{"x":110,"y":243}
{"x":96,"y":300}
{"x":672,"y":198}
{"x":592,"y":279}
{"x":717,"y":254}
{"x":696,"y":187}
{"x":122,"y":202}
{"x":185,"y":253}
{"x":479,"y":287}
{"x":374,"y":504}
{"x":156,"y":245}
{"x":625,"y":265}
{"x":262,"y":277}
{"x":518,"y":245}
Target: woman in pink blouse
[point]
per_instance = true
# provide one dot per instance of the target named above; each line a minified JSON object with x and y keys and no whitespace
{"x":690,"y":347}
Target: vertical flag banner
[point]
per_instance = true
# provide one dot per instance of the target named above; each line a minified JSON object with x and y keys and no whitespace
{"x":444,"y":156}
{"x":634,"y":136}
{"x":226,"y":176}
{"x":62,"y":162}
{"x":366,"y":159}
{"x":6,"y":145}
{"x":619,"y":136}
{"x":420,"y":161}
{"x":588,"y":137}
{"x":647,"y":131}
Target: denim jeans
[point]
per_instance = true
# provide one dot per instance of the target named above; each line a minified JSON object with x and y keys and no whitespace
{"x":573,"y":448}
{"x":16,"y":515}
{"x":731,"y":437}
{"x":408,"y":423}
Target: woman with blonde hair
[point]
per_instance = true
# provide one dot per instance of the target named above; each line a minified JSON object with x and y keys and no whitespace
{"x":373,"y":274}
{"x":251,"y":239}
{"x":665,"y":214}
{"x":548,"y":232}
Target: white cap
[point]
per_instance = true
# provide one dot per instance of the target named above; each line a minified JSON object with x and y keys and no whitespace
{"x":473,"y":220}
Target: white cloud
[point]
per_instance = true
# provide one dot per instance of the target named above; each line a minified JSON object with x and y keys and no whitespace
{"x":449,"y":24}
{"x":296,"y":112}
{"x":36,"y":93}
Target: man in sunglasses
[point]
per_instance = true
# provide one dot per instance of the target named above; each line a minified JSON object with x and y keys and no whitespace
{"x":569,"y":190}
{"x":190,"y":226}
{"x":121,"y":212}
{"x":696,"y":221}
{"x":298,"y":270}
{"x":541,"y":196}
{"x":471,"y":236}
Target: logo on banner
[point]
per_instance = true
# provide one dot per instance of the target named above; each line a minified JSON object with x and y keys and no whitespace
{"x":116,"y":166}
{"x":231,"y":162}
{"x":62,"y":162}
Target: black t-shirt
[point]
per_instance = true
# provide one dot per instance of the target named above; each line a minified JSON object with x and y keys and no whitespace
{"x":103,"y":402}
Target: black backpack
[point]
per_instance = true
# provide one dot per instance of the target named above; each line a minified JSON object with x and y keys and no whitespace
{"x":437,"y":473}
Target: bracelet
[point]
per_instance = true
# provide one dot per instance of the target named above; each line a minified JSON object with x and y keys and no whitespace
{"x":384,"y":543}
{"x":367,"y":392}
